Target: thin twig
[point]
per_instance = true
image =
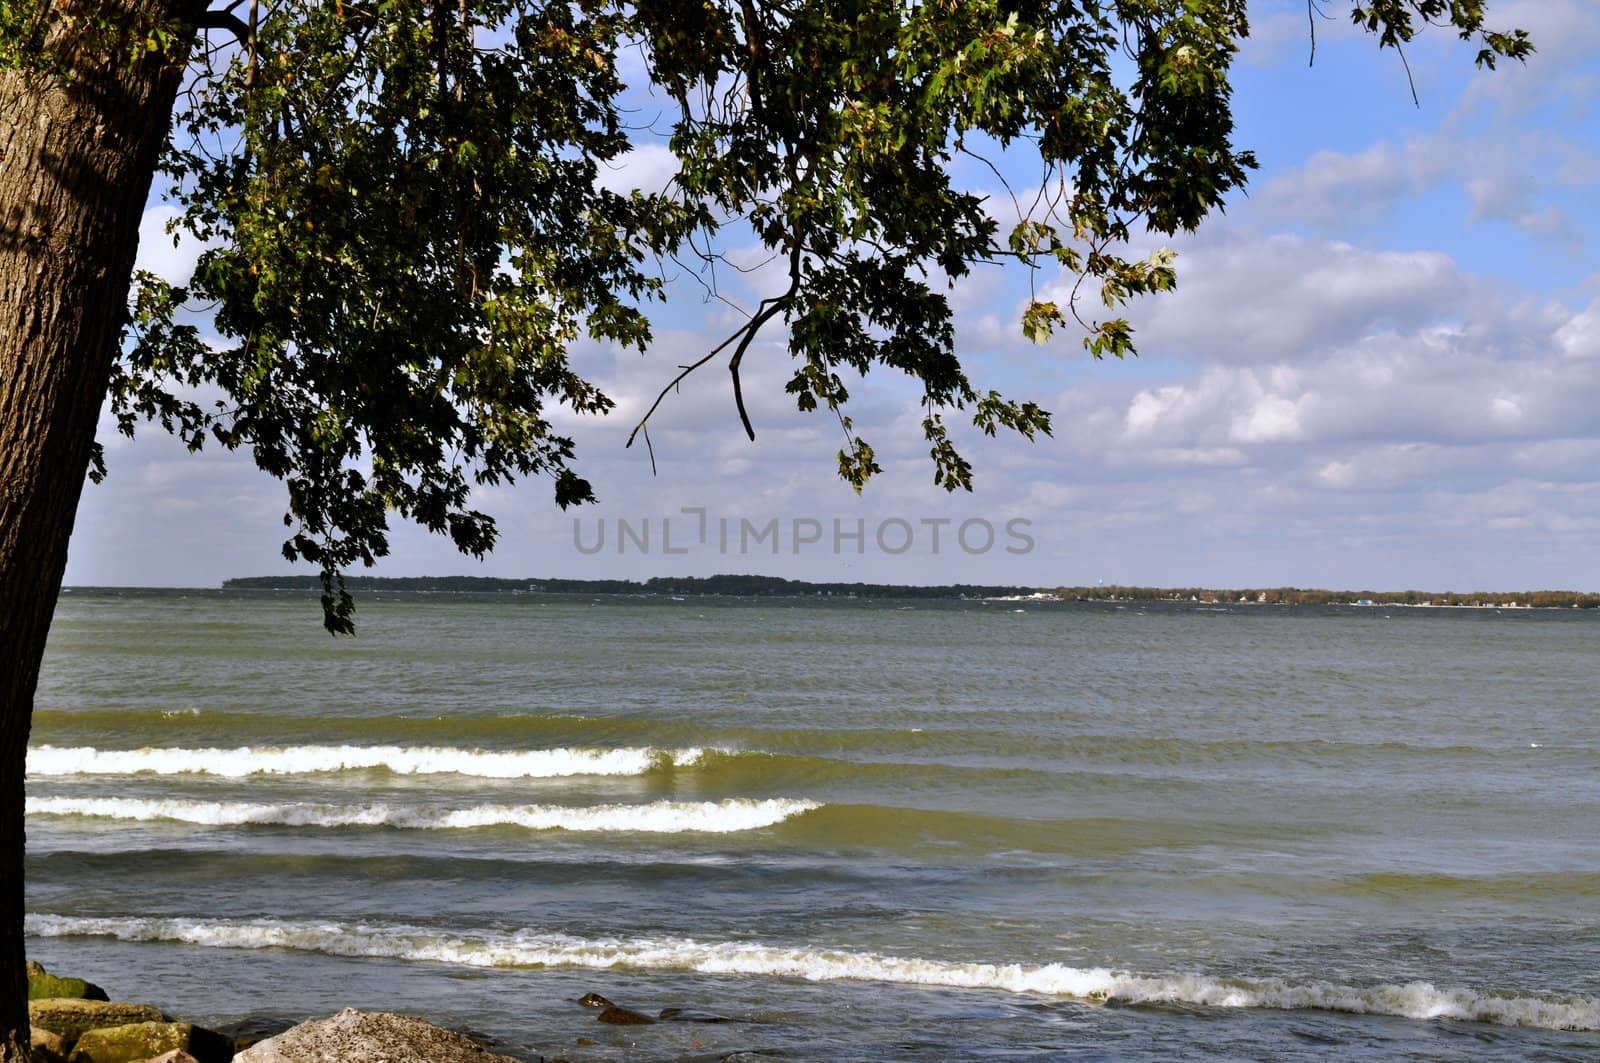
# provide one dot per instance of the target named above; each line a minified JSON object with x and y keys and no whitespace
{"x":1015,"y":205}
{"x":1409,"y":80}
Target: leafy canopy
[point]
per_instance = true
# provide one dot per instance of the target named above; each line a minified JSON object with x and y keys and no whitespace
{"x":407,"y":234}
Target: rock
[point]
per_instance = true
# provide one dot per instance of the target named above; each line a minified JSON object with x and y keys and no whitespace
{"x":71,"y":1017}
{"x":42,"y":985}
{"x":611,"y":1013}
{"x":48,"y":1046}
{"x":369,"y":1037}
{"x":177,"y":1055}
{"x":138,"y":1041}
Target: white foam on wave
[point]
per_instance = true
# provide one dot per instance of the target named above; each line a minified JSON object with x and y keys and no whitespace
{"x":657,"y":817}
{"x":311,"y":759}
{"x":528,"y":948}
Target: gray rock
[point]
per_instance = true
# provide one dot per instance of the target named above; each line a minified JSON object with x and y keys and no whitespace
{"x":354,"y":1036}
{"x":177,"y":1055}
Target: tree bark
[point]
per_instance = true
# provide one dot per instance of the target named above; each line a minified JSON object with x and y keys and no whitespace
{"x":79,"y":139}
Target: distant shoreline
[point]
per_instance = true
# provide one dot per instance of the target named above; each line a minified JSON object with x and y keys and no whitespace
{"x":776,"y":587}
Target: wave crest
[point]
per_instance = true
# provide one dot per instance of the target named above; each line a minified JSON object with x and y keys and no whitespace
{"x":657,"y":817}
{"x":244,"y":761}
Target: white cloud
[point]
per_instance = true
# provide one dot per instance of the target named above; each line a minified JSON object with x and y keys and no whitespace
{"x":1579,"y":337}
{"x":1559,"y":80}
{"x":1200,"y":456}
{"x":648,"y":168}
{"x":1270,"y":419}
{"x":1334,"y":188}
{"x":1505,"y":411}
{"x":1251,"y":300}
{"x":1338,"y":474}
{"x":172,"y":257}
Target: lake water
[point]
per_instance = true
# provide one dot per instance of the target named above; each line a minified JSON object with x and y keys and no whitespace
{"x":861,"y":830}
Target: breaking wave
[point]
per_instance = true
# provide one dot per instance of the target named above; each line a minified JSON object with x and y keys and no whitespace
{"x":528,"y":948}
{"x":657,"y":817}
{"x":311,"y":759}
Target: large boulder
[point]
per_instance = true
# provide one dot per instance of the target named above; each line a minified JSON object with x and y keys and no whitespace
{"x":42,"y":985}
{"x":354,"y":1036}
{"x":70,"y":1018}
{"x":139,"y":1041}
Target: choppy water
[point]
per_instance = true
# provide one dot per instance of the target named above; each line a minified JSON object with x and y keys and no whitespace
{"x":864,"y":831}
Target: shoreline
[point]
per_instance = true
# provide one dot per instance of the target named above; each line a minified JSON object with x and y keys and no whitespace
{"x":757,"y":589}
{"x":73,"y":1020}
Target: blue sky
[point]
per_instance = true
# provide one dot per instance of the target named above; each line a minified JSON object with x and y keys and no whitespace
{"x":1380,"y":369}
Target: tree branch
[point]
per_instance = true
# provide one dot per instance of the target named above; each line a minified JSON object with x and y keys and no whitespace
{"x":1311,"y":19}
{"x":750,"y":331}
{"x":224,"y":20}
{"x":1410,"y":81}
{"x":762,"y":317}
{"x":745,"y":334}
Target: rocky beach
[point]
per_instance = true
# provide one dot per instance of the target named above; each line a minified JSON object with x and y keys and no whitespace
{"x":74,"y":1021}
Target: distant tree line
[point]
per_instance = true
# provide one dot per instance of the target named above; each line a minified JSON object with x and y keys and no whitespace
{"x":731,"y":586}
{"x":1302,"y":596}
{"x":777,"y":587}
{"x":772,"y":586}
{"x":445,"y":584}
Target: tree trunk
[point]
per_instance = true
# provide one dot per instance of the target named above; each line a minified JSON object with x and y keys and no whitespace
{"x":79,"y":139}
